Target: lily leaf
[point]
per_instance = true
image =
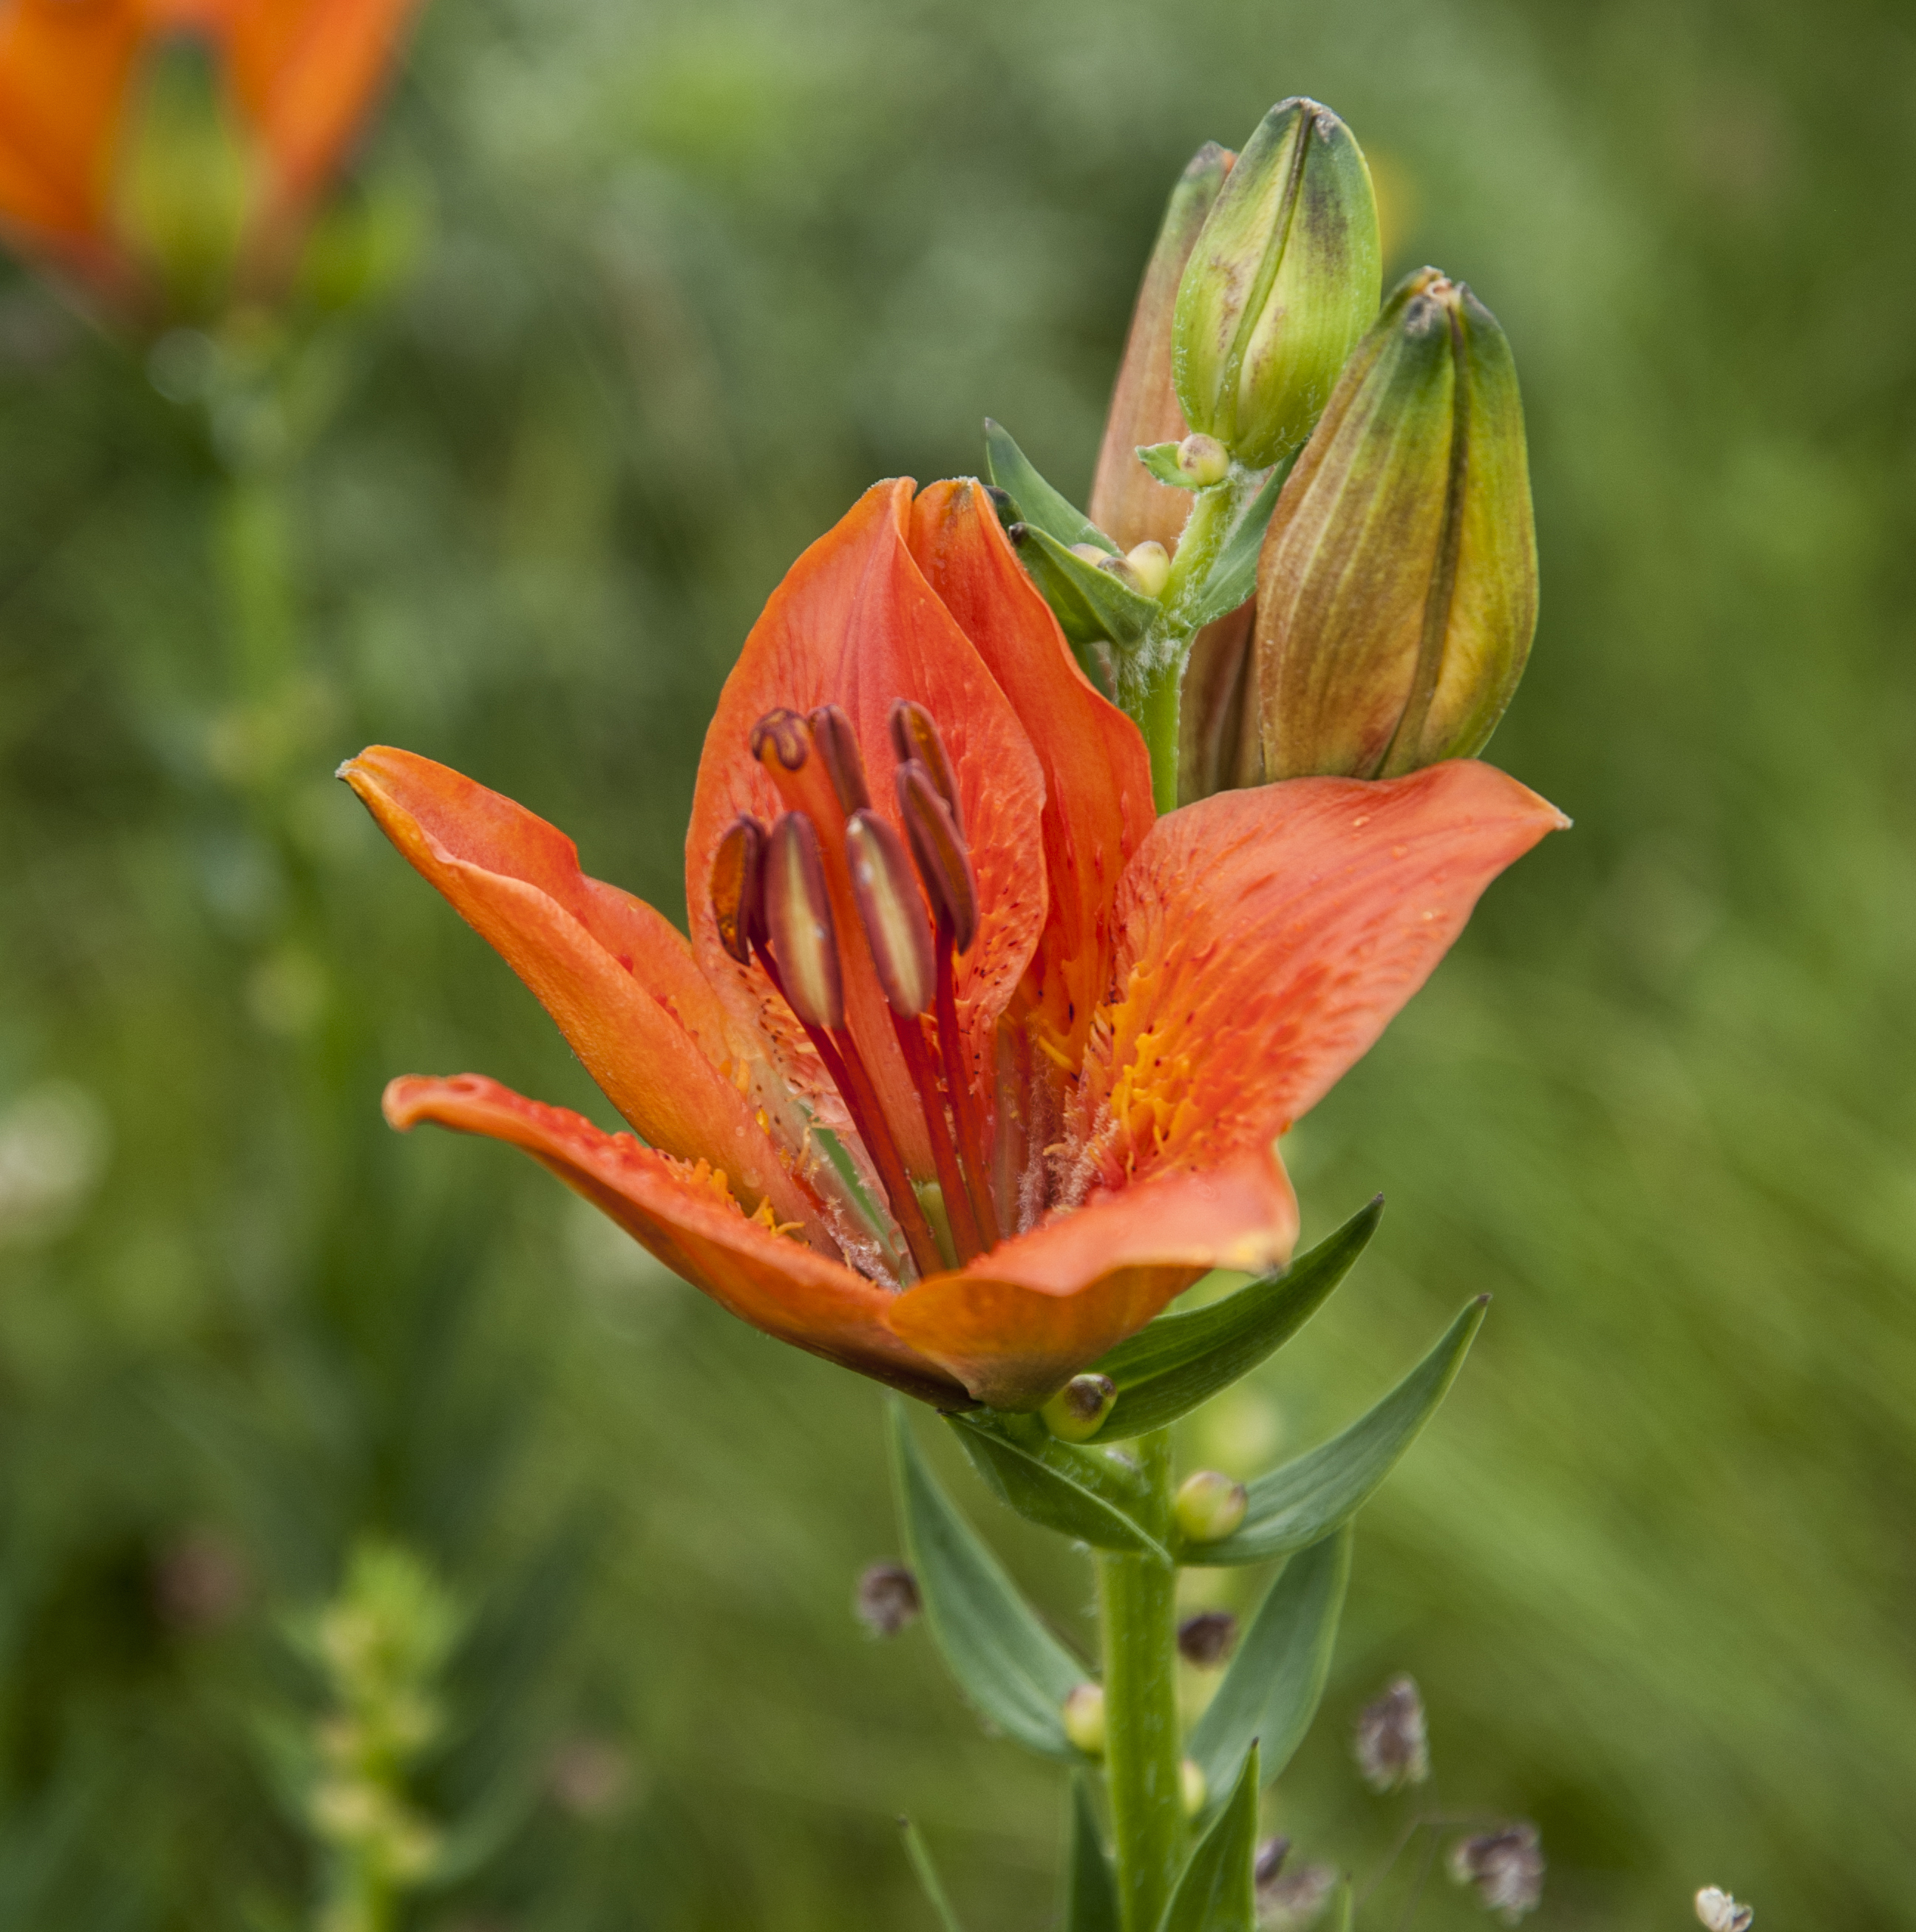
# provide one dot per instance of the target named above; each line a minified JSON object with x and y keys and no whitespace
{"x":1080,"y":593}
{"x":1037,"y":504}
{"x":1233,"y":577}
{"x":1008,"y":1666}
{"x":921,"y":1863}
{"x":1179,"y":1361}
{"x":1217,"y":1892}
{"x":1161,"y":460}
{"x":1305,"y":1500}
{"x":1272,"y":1690}
{"x":1090,"y":1890}
{"x":1079,"y":1493}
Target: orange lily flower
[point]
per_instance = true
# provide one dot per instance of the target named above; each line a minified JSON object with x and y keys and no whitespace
{"x":1057,"y":1057}
{"x":299,"y":76}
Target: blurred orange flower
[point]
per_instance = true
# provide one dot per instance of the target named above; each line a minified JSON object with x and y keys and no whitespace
{"x":297,"y":77}
{"x":1057,"y":1056}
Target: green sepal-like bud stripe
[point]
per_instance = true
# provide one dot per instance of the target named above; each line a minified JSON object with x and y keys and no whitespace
{"x":1397,"y":587}
{"x":1284,"y":280}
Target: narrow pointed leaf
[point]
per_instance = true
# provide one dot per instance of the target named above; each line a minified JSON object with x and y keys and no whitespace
{"x":1078,"y":1492}
{"x":1180,"y":1361}
{"x":1307,"y":1499}
{"x":1217,"y":1892}
{"x":921,"y":1863}
{"x":1037,"y":504}
{"x":1091,"y":1891}
{"x":1007,"y":1665}
{"x":1277,"y":1676}
{"x":1161,"y":460}
{"x":1233,"y":577}
{"x":1071,"y":585}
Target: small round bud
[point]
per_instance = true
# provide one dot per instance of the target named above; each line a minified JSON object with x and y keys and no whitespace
{"x":1090,"y":554}
{"x":1077,"y":1412}
{"x":1207,"y":1639}
{"x":887,"y":1600}
{"x":1151,"y":565}
{"x":1084,"y":1719}
{"x":1721,"y":1912}
{"x":1192,"y":1789}
{"x":1203,"y":459}
{"x":1210,"y":1506}
{"x":1391,"y":1745}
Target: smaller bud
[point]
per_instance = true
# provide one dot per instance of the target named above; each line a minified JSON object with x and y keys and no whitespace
{"x":833,"y":738}
{"x":738,"y":887}
{"x":1207,"y":1639}
{"x":1084,"y":1719}
{"x":1392,"y":1745}
{"x":798,"y":921}
{"x":1150,"y":565}
{"x":891,"y":913}
{"x":1210,"y":1506}
{"x":1721,"y":1912}
{"x":1397,"y":585}
{"x":1077,"y":1412}
{"x":1284,"y":278}
{"x":1203,"y":459}
{"x":784,"y":735}
{"x":887,"y":1600}
{"x":914,"y":734}
{"x":938,"y":849}
{"x":1090,"y":554}
{"x":1506,"y":1868}
{"x":1192,"y":1788}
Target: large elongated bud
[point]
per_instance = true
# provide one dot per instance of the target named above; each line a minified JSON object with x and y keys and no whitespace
{"x":1128,"y":502}
{"x":1283,"y":281}
{"x":1397,"y":589}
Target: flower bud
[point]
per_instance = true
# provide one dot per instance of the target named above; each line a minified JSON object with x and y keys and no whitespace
{"x":1283,"y":281}
{"x":1397,"y":589}
{"x":1192,"y":1788}
{"x":1150,"y":566}
{"x":1210,"y":1506}
{"x":1126,"y":501}
{"x":887,"y":1600}
{"x":1207,"y":1639}
{"x":1077,"y":1411}
{"x":1392,"y":1745}
{"x":1721,"y":1912}
{"x":1084,"y":1719}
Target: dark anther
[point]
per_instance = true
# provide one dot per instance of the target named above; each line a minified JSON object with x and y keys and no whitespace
{"x":891,"y":913}
{"x":938,"y":847}
{"x":831,"y":732}
{"x":787,"y":735}
{"x":798,"y":919}
{"x":738,"y":887}
{"x":914,"y":734}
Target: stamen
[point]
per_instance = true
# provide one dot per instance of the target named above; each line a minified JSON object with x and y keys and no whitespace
{"x":832,"y":736}
{"x":798,"y":921}
{"x":782,"y":734}
{"x":738,"y":887}
{"x":939,"y":846}
{"x":894,"y":917}
{"x":914,"y":734}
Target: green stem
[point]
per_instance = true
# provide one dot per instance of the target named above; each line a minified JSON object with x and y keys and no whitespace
{"x":1144,"y":1755}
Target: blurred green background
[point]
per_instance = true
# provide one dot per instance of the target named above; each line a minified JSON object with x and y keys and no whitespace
{"x":674,"y":282}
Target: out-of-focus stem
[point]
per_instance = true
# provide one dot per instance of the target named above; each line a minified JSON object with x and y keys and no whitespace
{"x":1137,"y":1606}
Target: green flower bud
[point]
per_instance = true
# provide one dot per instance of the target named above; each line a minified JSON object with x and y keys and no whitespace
{"x":1084,"y":1719}
{"x":1284,"y":280}
{"x":1210,"y":1506}
{"x":1077,"y":1412}
{"x":1397,"y":589}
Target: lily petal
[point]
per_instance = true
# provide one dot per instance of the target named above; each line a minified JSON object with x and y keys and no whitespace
{"x":1268,"y":938}
{"x":682,"y":1214}
{"x":618,"y":977}
{"x":855,"y":624}
{"x":1020,"y":1322}
{"x":1098,"y":806}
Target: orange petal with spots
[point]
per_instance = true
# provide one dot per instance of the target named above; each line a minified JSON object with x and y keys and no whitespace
{"x":855,"y":624}
{"x":1020,"y":1322}
{"x":1098,"y":806}
{"x":1268,"y":938}
{"x":683,"y":1214}
{"x":618,"y":977}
